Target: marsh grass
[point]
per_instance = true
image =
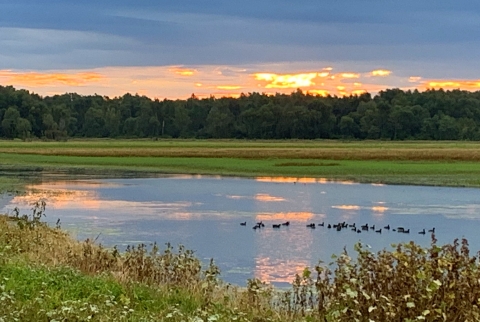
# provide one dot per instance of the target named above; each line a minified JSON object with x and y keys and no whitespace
{"x":47,"y":276}
{"x":414,"y":163}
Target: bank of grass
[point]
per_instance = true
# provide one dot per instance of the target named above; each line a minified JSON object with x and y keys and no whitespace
{"x":415,"y":163}
{"x":47,"y":276}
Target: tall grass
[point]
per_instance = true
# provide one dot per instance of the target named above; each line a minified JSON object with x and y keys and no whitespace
{"x":425,"y":163}
{"x":47,"y":276}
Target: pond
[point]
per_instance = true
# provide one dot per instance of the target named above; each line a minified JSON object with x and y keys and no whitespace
{"x":204,"y":214}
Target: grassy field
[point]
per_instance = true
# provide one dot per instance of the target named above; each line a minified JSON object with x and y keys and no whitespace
{"x":415,"y":163}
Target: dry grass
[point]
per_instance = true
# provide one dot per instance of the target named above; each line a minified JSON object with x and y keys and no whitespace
{"x":326,"y":150}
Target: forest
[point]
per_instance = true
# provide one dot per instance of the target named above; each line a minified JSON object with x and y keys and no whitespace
{"x":392,"y":114}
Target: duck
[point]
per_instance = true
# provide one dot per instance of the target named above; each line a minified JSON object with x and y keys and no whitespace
{"x":322,"y":224}
{"x":387,"y":227}
{"x":287,"y":223}
{"x":372,"y":227}
{"x":243,"y":223}
{"x":276,"y":226}
{"x":422,"y":232}
{"x":406,"y":231}
{"x":400,"y":229}
{"x":379,"y":231}
{"x":364,"y":227}
{"x":312,"y":225}
{"x":358,"y":231}
{"x":431,"y":230}
{"x":329,"y":226}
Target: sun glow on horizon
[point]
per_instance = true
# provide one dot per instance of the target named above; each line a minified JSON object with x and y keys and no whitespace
{"x":179,"y":82}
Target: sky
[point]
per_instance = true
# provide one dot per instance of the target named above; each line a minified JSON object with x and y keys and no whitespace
{"x":173,"y":49}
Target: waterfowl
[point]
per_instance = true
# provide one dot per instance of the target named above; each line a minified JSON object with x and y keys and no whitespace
{"x":379,"y":231}
{"x":431,"y":230}
{"x":276,"y":226}
{"x":400,"y":229}
{"x":387,"y":227}
{"x":422,"y":232}
{"x":243,"y":223}
{"x":287,"y":223}
{"x":364,"y":227}
{"x":312,"y":225}
{"x":329,"y":226}
{"x":339,"y":227}
{"x":358,"y":231}
{"x":352,"y":225}
{"x":322,"y":224}
{"x":406,"y":231}
{"x":372,"y":227}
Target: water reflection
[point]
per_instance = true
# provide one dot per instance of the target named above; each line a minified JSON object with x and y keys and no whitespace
{"x":204,"y":214}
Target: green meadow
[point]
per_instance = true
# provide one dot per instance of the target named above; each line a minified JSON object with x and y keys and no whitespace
{"x":411,"y":163}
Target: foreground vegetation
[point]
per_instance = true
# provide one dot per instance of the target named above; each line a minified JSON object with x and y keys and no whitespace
{"x":47,"y":276}
{"x":410,"y":162}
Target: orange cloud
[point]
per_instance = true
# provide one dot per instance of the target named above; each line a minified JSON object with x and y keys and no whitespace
{"x":35,"y":79}
{"x":380,"y":72}
{"x":471,"y":85}
{"x":228,"y":87}
{"x":350,"y":75}
{"x":183,"y":71}
{"x":358,"y":92}
{"x":321,"y":92}
{"x":287,"y":80}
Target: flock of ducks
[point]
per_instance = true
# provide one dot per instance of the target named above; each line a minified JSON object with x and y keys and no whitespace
{"x":343,"y":225}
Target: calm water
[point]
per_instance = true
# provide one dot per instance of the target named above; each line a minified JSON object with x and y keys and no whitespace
{"x":204,"y":214}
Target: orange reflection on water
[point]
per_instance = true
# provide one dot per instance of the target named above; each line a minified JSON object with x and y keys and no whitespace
{"x":291,"y":180}
{"x":63,"y":195}
{"x":347,"y":207}
{"x":267,"y":198}
{"x":286,"y":216}
{"x":59,"y":198}
{"x":280,"y":270}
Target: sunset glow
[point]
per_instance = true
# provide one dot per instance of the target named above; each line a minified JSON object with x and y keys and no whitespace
{"x":381,"y":72}
{"x":178,"y":82}
{"x":36,"y":79}
{"x":469,"y":85}
{"x":287,"y":81}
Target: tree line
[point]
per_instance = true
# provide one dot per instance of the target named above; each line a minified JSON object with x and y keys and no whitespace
{"x":392,"y":114}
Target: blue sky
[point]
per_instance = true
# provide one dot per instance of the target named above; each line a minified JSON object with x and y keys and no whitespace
{"x":229,"y":43}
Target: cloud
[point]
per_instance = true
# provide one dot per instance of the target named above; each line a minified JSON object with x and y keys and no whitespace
{"x":380,"y":72}
{"x":36,"y":79}
{"x":469,"y":85}
{"x":87,"y":34}
{"x":179,"y":82}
